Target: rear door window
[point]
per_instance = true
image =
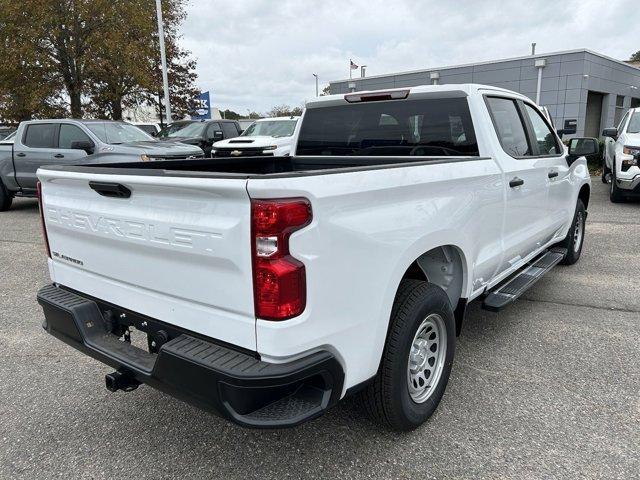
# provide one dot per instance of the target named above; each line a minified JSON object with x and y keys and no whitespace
{"x":509,"y":126}
{"x":40,"y":135}
{"x":213,"y":127}
{"x":229,"y":130}
{"x":427,"y":128}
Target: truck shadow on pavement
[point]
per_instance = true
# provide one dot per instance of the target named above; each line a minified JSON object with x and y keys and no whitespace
{"x":341,"y":440}
{"x":24,"y":204}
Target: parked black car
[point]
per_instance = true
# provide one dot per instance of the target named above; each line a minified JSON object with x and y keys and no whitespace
{"x":200,"y":133}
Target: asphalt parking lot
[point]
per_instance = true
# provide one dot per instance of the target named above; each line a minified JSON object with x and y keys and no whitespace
{"x":549,"y":388}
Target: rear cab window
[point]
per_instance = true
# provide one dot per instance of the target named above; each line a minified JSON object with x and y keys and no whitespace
{"x":40,"y":135}
{"x":433,"y":127}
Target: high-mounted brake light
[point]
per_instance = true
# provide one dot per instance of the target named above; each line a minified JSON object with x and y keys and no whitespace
{"x":376,"y":96}
{"x":42,"y":224}
{"x":279,"y":280}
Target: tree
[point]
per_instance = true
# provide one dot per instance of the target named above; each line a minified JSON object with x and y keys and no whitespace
{"x":326,"y":91}
{"x":283,"y":111}
{"x":29,"y":87}
{"x":182,"y":89}
{"x":100,"y":56}
{"x":635,"y":57}
{"x":120,"y":66}
{"x":62,"y":33}
{"x":230,"y":114}
{"x":126,"y":71}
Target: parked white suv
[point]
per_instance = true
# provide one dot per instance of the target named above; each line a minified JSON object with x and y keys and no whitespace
{"x":264,"y":137}
{"x":622,"y":157}
{"x":270,"y":287}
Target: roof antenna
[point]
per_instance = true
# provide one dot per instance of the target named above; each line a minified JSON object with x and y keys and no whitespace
{"x":533,"y":48}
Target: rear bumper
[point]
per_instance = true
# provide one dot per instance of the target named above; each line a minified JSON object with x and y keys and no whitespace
{"x":234,"y":384}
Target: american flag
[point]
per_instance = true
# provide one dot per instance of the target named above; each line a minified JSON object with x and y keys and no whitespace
{"x":353,"y":65}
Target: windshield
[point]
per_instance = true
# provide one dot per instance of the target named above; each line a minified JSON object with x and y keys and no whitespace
{"x":9,"y":138}
{"x":274,"y":128}
{"x":426,"y":128}
{"x":634,"y":123}
{"x":195,"y":129}
{"x":116,"y":133}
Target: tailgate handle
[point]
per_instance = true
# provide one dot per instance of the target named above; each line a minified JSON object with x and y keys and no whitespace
{"x":114,"y":190}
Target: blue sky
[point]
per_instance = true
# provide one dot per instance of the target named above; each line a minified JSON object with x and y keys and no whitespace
{"x":254,"y":54}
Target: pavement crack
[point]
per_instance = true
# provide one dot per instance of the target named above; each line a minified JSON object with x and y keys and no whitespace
{"x":570,"y":304}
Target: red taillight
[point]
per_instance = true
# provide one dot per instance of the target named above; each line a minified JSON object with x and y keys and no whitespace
{"x":42,"y":224}
{"x":279,"y":280}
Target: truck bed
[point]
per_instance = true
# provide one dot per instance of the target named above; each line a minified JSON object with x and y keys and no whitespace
{"x":258,"y":167}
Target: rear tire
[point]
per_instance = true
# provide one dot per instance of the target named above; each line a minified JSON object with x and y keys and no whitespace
{"x":574,"y":240}
{"x":409,"y":384}
{"x":6,"y":198}
{"x":614,"y":192}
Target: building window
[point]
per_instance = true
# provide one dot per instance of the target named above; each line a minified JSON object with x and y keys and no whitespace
{"x":619,"y":109}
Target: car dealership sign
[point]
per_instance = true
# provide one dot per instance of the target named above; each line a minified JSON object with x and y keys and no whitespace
{"x":203,"y":107}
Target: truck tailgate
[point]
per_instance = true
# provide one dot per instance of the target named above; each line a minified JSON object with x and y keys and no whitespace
{"x":177,"y":249}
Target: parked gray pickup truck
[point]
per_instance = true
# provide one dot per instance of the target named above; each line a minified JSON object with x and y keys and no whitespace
{"x":58,"y":142}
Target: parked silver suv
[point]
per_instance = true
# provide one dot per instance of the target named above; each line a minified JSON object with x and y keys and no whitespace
{"x":58,"y":142}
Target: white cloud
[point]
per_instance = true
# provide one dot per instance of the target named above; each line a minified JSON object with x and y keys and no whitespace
{"x":254,"y":54}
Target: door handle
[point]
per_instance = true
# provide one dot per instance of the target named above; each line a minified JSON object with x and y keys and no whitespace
{"x":58,"y":155}
{"x":21,"y":154}
{"x":552,"y":174}
{"x":114,"y":190}
{"x":516,"y":182}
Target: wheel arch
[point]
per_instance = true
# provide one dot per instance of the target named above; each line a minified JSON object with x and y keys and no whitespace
{"x":584,"y":194}
{"x":446,"y":267}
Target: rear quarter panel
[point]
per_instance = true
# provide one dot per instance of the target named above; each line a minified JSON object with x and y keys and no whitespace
{"x":368,"y":227}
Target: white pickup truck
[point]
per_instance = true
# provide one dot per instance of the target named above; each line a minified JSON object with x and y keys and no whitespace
{"x":622,"y":157}
{"x":264,"y":137}
{"x":268,"y":288}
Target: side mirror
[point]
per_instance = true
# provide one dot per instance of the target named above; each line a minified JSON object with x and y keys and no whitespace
{"x":610,"y":132}
{"x":581,"y":147}
{"x":83,"y":145}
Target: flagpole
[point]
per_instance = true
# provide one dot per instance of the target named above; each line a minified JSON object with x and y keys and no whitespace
{"x":350,"y":71}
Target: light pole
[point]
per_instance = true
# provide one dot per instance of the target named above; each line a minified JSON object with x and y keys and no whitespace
{"x":163,"y":62}
{"x":316,"y":75}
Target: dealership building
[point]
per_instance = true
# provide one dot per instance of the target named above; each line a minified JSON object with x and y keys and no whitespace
{"x":579,"y":87}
